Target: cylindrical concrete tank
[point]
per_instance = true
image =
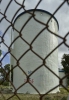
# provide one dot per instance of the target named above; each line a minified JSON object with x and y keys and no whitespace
{"x":42,"y":79}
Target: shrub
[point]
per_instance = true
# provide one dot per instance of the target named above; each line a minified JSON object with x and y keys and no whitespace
{"x":0,"y":82}
{"x":48,"y":98}
{"x":64,"y":98}
{"x":6,"y":83}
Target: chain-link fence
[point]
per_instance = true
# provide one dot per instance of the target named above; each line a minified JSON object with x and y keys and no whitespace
{"x":9,"y":77}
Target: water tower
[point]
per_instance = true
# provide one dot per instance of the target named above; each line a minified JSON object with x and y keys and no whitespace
{"x":42,"y":79}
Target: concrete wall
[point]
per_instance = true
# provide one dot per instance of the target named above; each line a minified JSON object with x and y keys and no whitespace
{"x":42,"y":79}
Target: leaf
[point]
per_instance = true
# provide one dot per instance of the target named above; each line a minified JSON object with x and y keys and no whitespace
{"x":0,"y":52}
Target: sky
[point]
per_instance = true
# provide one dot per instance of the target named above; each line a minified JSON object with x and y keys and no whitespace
{"x":49,"y":5}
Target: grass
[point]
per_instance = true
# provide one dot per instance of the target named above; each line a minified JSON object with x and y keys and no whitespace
{"x":31,"y":97}
{"x":62,"y":95}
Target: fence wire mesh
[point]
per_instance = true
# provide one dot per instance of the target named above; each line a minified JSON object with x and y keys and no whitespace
{"x":3,"y":16}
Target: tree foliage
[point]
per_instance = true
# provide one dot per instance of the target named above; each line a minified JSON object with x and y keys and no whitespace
{"x":65,"y":64}
{"x":7,"y":67}
{"x":5,"y":71}
{"x":0,"y":52}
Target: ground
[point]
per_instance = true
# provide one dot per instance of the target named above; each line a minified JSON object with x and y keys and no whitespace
{"x":6,"y":93}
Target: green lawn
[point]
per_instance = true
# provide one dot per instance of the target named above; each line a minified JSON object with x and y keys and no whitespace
{"x":62,"y":95}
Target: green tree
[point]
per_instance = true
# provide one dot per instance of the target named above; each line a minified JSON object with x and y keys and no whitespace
{"x":7,"y":69}
{"x":0,"y":52}
{"x":1,"y":71}
{"x":65,"y":64}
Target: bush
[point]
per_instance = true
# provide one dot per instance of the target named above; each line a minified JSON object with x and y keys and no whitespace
{"x":6,"y":83}
{"x":0,"y":82}
{"x":64,"y":98}
{"x":47,"y":98}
